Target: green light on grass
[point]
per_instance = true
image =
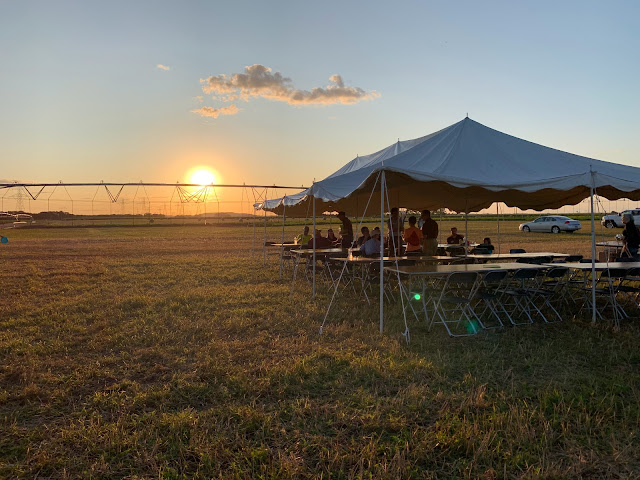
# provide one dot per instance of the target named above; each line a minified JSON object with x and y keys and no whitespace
{"x":416,"y":296}
{"x":473,"y":327}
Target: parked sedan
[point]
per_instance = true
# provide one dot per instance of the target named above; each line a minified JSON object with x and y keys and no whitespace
{"x":551,"y":223}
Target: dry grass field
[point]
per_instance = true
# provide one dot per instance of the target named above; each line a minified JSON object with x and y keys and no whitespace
{"x":171,"y":352}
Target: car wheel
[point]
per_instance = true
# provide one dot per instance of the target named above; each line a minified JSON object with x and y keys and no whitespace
{"x":609,"y":224}
{"x":526,"y":229}
{"x":555,"y":229}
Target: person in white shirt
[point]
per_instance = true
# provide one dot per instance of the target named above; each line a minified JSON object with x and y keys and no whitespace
{"x":372,"y":246}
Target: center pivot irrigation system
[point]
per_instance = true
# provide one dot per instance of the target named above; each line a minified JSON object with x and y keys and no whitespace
{"x":184,"y":192}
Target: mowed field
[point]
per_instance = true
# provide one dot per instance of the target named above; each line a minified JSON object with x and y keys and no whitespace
{"x":171,"y":352}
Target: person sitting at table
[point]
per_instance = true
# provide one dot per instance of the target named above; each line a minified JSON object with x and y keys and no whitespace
{"x":364,"y":237}
{"x":485,"y":247}
{"x":335,"y":241}
{"x":630,"y":236}
{"x":321,"y":242}
{"x":346,"y":232}
{"x":413,"y":237}
{"x":371,"y":247}
{"x":302,"y":238}
{"x":454,"y":238}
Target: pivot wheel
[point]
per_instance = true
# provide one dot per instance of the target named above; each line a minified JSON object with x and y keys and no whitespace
{"x":526,"y":229}
{"x":609,"y":224}
{"x":555,"y":229}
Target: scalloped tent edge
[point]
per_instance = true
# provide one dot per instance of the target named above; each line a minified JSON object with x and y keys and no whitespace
{"x":465,"y":167}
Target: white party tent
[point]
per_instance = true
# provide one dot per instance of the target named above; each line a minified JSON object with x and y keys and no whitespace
{"x":466,"y":167}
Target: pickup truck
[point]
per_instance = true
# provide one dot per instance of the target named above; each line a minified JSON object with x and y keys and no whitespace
{"x":613,"y":220}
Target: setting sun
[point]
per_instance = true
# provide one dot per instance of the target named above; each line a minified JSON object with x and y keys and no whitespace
{"x":202,"y":176}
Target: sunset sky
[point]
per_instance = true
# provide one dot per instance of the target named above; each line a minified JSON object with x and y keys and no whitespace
{"x":288,"y":91}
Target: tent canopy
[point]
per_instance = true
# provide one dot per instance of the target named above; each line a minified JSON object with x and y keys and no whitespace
{"x":465,"y":167}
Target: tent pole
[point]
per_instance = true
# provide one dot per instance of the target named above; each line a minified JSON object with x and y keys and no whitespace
{"x":382,"y":186}
{"x":253,"y":248}
{"x":264,"y":244}
{"x":284,"y":217}
{"x":498,"y":217}
{"x":313,"y":295}
{"x":466,"y":229}
{"x":593,"y":255}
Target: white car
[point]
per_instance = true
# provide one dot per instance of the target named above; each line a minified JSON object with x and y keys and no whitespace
{"x":613,"y":221}
{"x":551,"y":223}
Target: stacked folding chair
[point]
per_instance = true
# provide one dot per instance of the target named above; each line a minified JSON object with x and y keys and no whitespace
{"x":453,"y":307}
{"x":629,"y":289}
{"x":517,"y":297}
{"x":488,"y":307}
{"x":607,"y":285}
{"x":551,"y":291}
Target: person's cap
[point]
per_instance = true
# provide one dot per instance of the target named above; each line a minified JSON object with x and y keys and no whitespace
{"x":374,"y":232}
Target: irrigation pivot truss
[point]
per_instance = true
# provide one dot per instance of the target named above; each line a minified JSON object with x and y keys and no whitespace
{"x":89,"y":198}
{"x":114,"y":196}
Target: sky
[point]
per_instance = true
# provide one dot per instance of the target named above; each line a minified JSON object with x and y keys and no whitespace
{"x":285,"y":92}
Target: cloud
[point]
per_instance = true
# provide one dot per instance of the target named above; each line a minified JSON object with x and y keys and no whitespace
{"x":163,"y":67}
{"x":260,"y":81}
{"x":216,"y":112}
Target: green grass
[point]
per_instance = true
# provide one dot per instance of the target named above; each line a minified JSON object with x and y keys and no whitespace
{"x":171,"y":352}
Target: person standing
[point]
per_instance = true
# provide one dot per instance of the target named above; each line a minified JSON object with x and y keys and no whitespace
{"x":413,"y":237}
{"x":396,"y":227}
{"x":346,"y":232}
{"x":429,"y":234}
